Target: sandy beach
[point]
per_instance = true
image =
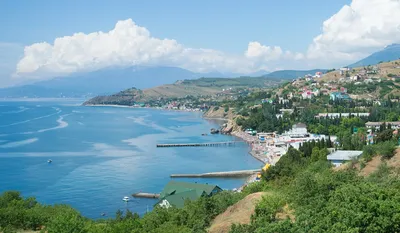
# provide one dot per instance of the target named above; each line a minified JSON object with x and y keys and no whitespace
{"x":258,"y":150}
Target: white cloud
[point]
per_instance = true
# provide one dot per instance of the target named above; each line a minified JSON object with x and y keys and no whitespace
{"x":352,"y":33}
{"x":129,"y":44}
{"x":357,"y":30}
{"x":126,"y":44}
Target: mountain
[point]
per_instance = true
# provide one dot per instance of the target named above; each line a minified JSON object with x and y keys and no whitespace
{"x":389,"y":53}
{"x":292,"y":74}
{"x":107,"y":81}
{"x":194,"y":87}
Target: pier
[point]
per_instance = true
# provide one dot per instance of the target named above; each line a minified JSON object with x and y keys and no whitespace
{"x":147,"y":195}
{"x":242,"y":173}
{"x":230,"y":143}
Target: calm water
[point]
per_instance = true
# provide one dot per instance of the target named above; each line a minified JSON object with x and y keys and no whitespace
{"x":101,"y":154}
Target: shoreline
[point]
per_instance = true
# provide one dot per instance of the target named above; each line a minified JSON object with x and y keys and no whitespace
{"x":254,"y":151}
{"x":138,"y":107}
{"x":238,"y":134}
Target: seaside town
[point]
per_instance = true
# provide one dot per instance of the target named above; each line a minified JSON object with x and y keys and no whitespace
{"x":338,"y":123}
{"x":200,"y":117}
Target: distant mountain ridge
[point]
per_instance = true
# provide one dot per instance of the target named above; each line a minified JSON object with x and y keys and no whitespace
{"x":193,"y":87}
{"x":107,"y":81}
{"x":389,"y":53}
{"x":292,"y":74}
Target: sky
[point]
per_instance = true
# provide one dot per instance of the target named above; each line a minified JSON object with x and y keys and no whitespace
{"x":46,"y":38}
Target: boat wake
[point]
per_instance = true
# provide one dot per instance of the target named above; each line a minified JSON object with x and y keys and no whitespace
{"x":33,"y":119}
{"x":142,"y":121}
{"x":19,"y":143}
{"x":21,"y":109}
{"x":61,"y":124}
{"x":60,"y":121}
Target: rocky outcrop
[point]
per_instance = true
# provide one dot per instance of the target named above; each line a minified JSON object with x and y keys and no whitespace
{"x":216,"y":112}
{"x":230,"y":127}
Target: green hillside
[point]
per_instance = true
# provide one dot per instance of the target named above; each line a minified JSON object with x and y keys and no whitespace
{"x":180,"y":89}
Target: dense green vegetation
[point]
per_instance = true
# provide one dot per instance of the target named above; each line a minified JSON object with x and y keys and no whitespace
{"x":17,"y":213}
{"x":384,"y":87}
{"x":319,"y":199}
{"x":325,"y":200}
{"x":293,"y":74}
{"x":307,"y":195}
{"x":248,"y":82}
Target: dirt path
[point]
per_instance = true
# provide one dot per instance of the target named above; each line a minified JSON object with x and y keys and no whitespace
{"x":238,"y":213}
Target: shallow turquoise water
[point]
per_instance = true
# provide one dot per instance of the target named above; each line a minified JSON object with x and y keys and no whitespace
{"x":101,"y":154}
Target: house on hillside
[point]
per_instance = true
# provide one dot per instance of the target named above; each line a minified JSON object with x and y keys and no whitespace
{"x":377,"y":125}
{"x":339,"y":96}
{"x":342,"y":115}
{"x":298,"y":130}
{"x":175,"y":193}
{"x":307,"y":95}
{"x":344,"y":70}
{"x":355,"y":78}
{"x":324,"y":91}
{"x":339,"y":157}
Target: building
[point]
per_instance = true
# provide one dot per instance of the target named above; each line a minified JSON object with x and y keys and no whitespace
{"x":315,"y":92}
{"x":341,"y":115}
{"x":343,"y":70}
{"x":307,"y":95}
{"x":266,"y":136}
{"x":298,"y":130}
{"x":377,"y":125}
{"x":355,"y":78}
{"x":339,"y":157}
{"x":339,"y":96}
{"x":175,"y":193}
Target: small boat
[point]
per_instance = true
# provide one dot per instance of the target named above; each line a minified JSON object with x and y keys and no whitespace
{"x":125,"y":199}
{"x":103,"y":214}
{"x":203,"y":134}
{"x":49,"y":161}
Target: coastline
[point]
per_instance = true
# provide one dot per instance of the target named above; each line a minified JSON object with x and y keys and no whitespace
{"x":255,"y":151}
{"x":128,"y":106}
{"x":250,"y":140}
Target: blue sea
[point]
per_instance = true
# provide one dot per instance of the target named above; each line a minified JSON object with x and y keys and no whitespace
{"x":101,"y":154}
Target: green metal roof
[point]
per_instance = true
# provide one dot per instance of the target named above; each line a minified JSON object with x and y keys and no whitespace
{"x":176,"y":193}
{"x":178,"y":199}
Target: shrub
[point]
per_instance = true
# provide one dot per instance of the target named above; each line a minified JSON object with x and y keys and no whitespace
{"x":386,"y":149}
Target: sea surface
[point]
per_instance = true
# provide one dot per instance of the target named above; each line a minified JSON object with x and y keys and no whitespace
{"x":101,"y":154}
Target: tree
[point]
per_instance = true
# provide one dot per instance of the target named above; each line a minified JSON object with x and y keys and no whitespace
{"x":315,"y":155}
{"x":68,"y":221}
{"x":385,"y":135}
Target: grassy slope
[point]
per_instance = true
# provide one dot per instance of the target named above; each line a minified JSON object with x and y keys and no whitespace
{"x":386,"y":68}
{"x":197,"y":87}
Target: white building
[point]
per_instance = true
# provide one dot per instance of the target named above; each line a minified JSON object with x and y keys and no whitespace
{"x":341,"y":156}
{"x":298,"y":130}
{"x":342,"y":115}
{"x":307,"y":95}
{"x":377,"y":125}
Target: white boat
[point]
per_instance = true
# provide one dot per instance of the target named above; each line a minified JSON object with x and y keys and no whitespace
{"x":126,"y":199}
{"x":49,"y":161}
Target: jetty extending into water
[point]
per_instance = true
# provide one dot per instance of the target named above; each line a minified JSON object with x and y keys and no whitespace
{"x":242,"y":173}
{"x":147,"y":195}
{"x":229,"y":143}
